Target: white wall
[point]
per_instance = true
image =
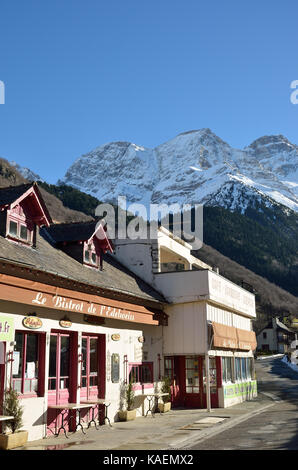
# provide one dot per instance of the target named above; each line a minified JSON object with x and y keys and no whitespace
{"x":228,"y":318}
{"x":186,"y":330}
{"x":192,"y":286}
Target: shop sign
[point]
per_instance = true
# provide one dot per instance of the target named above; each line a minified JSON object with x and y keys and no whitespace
{"x":115,"y":337}
{"x":6,"y":329}
{"x":64,"y":303}
{"x":33,"y":323}
{"x":65,"y":323}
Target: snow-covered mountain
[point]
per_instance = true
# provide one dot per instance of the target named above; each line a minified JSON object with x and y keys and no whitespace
{"x":26,"y":172}
{"x":194,"y":167}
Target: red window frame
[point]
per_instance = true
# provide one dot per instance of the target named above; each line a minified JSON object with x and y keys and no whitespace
{"x":91,"y":378}
{"x":136,"y":372}
{"x":41,"y":367}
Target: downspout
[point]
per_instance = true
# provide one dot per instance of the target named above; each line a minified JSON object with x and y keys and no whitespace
{"x":208,"y":391}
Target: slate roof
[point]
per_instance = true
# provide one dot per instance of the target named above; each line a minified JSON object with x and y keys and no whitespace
{"x":11,"y":193}
{"x":71,"y":231}
{"x":52,"y":260}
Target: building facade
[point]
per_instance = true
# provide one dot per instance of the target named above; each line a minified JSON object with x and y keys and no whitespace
{"x":209,"y":340}
{"x":80,"y":319}
{"x":75,"y":325}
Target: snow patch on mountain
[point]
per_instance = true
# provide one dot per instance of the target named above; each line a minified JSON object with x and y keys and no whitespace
{"x":26,"y":172}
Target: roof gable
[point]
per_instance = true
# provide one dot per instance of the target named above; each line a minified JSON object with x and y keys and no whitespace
{"x":30,"y":198}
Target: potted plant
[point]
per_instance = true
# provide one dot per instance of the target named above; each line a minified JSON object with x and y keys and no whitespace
{"x":128,"y":395}
{"x":12,"y":407}
{"x":166,"y":400}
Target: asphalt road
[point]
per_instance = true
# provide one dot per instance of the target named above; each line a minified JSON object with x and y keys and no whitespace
{"x":273,"y":429}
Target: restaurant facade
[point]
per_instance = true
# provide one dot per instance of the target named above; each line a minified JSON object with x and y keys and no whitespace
{"x":75,"y":326}
{"x":80,"y":318}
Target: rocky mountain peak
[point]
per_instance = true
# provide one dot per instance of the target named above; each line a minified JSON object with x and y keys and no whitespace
{"x":190,"y":168}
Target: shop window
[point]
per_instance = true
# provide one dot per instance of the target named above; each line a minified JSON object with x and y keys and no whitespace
{"x":237,"y":368}
{"x":227,"y":369}
{"x":244,"y":368}
{"x":26,"y":372}
{"x":141,"y":374}
{"x":192,"y":374}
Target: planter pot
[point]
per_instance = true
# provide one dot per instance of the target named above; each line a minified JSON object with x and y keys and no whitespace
{"x":164,"y":407}
{"x":127,"y":415}
{"x":12,"y":440}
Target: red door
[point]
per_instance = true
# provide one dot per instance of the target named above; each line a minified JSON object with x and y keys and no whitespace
{"x":92,"y":385}
{"x":59,"y":384}
{"x":189,"y":381}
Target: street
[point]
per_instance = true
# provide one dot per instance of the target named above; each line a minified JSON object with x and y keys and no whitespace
{"x":273,"y":429}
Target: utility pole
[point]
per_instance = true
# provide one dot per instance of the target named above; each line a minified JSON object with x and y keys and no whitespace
{"x":207,"y":370}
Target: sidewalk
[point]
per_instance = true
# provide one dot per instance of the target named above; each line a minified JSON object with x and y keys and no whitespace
{"x":177,"y":429}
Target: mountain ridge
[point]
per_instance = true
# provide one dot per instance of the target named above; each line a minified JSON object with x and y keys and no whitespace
{"x":189,"y":168}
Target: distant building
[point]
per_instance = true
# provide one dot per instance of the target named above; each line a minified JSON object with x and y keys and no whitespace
{"x":277,"y":337}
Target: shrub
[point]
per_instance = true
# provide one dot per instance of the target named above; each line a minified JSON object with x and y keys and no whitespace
{"x":12,"y":407}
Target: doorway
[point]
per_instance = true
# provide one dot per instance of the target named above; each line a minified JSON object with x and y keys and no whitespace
{"x":62,"y":375}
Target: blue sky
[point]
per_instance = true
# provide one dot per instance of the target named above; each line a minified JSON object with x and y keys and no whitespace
{"x":79,"y":74}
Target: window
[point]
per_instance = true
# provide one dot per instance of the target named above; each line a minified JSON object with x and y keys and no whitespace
{"x":18,"y":229}
{"x":24,"y":232}
{"x":264,"y":335}
{"x":26,"y":361}
{"x":89,"y":362}
{"x":243,"y":368}
{"x":13,"y":228}
{"x":212,"y":373}
{"x":192,"y":374}
{"x":169,"y":367}
{"x":227,"y":369}
{"x":237,"y":368}
{"x":87,"y":256}
{"x":90,"y":256}
{"x":141,"y":373}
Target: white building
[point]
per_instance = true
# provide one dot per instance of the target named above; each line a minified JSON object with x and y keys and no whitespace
{"x":210,"y":322}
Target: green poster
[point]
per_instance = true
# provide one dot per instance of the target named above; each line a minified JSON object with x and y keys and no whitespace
{"x":6,"y":329}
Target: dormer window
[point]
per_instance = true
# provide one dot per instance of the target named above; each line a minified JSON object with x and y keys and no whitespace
{"x":19,"y":230}
{"x":90,"y":256}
